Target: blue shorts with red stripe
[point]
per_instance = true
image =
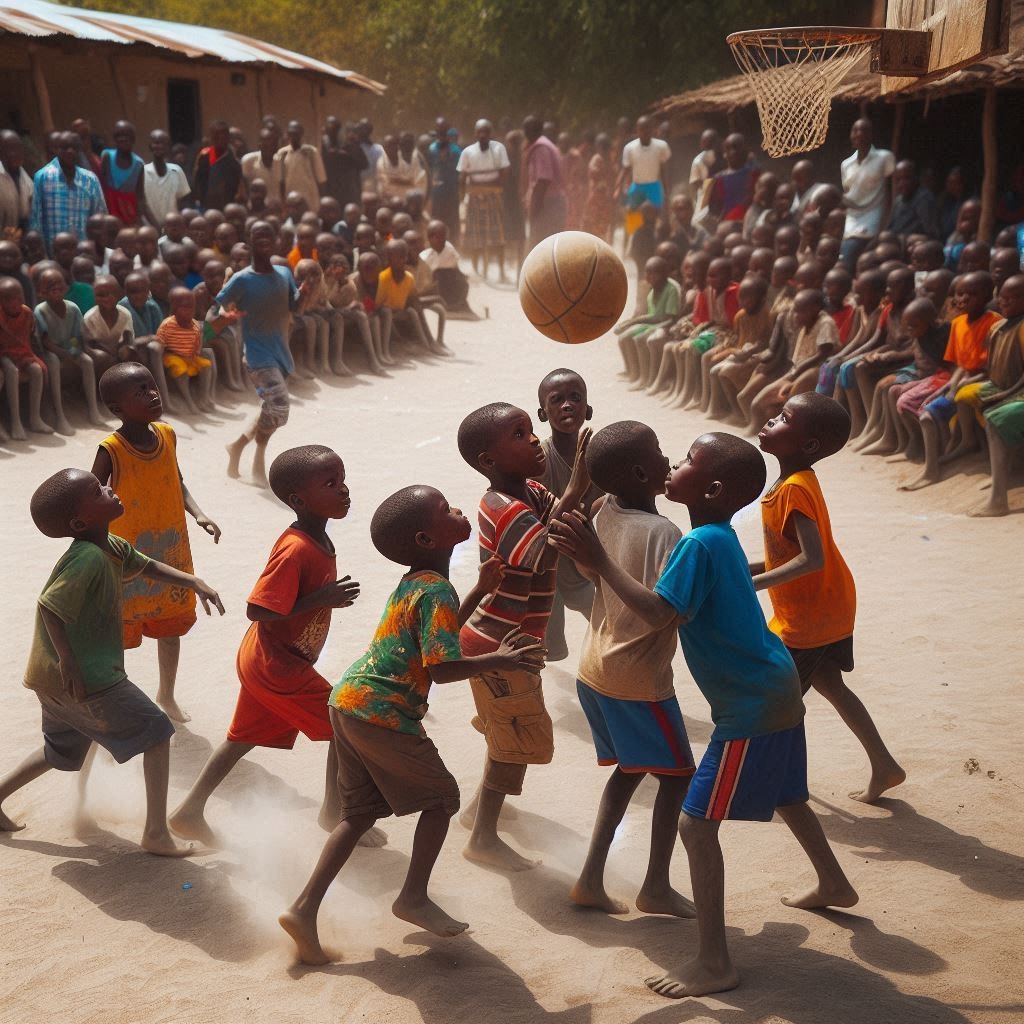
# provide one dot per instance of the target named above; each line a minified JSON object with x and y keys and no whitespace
{"x":637,"y":735}
{"x":746,"y":780}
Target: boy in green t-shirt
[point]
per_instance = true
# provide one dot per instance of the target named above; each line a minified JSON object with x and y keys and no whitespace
{"x":76,"y":665}
{"x":386,"y":763}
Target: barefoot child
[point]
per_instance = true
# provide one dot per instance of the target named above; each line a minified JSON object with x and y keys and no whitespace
{"x":562,"y":396}
{"x":625,"y":672}
{"x":282,"y":694}
{"x":810,"y":586}
{"x":139,"y":460}
{"x":19,"y":362}
{"x":498,"y":441}
{"x":76,"y":665}
{"x":756,"y":761}
{"x":263,"y":296}
{"x":181,"y":335}
{"x":386,"y":763}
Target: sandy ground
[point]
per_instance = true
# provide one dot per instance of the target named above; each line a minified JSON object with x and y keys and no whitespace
{"x":96,"y":932}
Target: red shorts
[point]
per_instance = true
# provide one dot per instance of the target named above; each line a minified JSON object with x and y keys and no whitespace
{"x":271,"y":718}
{"x":157,"y":629}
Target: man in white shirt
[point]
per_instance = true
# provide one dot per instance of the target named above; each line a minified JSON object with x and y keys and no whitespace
{"x":15,"y":186}
{"x":704,"y":165}
{"x":482,"y":168}
{"x":374,"y":151}
{"x":396,"y":176}
{"x":645,"y":172}
{"x":165,"y":183}
{"x":865,"y":176}
{"x":302,"y":167}
{"x":263,"y":164}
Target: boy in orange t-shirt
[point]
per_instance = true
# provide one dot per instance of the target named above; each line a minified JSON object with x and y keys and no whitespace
{"x":181,"y":336}
{"x":810,"y":586}
{"x":396,"y":290}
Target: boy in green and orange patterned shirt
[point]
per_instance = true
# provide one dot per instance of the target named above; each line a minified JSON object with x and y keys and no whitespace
{"x":386,"y":763}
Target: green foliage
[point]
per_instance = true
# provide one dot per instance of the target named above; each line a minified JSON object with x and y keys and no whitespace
{"x":582,"y":62}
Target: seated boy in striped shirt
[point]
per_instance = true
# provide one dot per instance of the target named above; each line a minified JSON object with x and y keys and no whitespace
{"x":181,"y":335}
{"x":498,"y":441}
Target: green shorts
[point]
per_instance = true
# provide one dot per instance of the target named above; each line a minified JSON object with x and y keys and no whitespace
{"x":704,"y":341}
{"x":1007,"y":420}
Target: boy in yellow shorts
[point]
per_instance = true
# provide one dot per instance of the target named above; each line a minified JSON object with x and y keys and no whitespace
{"x":139,"y":461}
{"x":181,"y":335}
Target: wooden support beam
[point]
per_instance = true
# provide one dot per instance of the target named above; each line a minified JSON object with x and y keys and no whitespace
{"x":42,"y":92}
{"x":116,"y":79}
{"x":990,"y":158}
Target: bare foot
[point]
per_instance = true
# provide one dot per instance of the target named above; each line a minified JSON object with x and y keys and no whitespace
{"x":842,"y":895}
{"x":18,"y":433}
{"x":9,"y":824}
{"x":992,"y":509}
{"x":305,"y":937}
{"x":881,"y":447}
{"x":234,"y":451}
{"x":596,"y":899}
{"x":695,"y":978}
{"x":917,"y":483}
{"x":64,"y":428}
{"x":373,"y":839}
{"x":163,"y":845}
{"x":207,"y":407}
{"x":429,"y":916}
{"x":39,"y":426}
{"x":190,"y":826}
{"x":879,"y":783}
{"x":497,"y":853}
{"x":339,"y":370}
{"x":173,"y":711}
{"x":670,"y":902}
{"x":898,"y":457}
{"x":260,"y":480}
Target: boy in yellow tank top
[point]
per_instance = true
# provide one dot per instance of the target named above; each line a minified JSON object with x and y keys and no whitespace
{"x":139,"y":461}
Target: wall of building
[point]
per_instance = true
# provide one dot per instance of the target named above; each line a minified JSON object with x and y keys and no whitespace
{"x":108,"y":83}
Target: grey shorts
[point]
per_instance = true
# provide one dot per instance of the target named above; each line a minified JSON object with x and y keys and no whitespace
{"x":121,"y":719}
{"x":272,"y":389}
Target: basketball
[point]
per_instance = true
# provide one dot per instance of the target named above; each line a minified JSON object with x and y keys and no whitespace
{"x":573,"y":287}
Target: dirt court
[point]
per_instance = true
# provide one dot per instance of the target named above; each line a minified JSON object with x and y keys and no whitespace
{"x":97,"y":932}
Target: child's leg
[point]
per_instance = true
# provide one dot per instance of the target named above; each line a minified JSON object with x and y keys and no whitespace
{"x":189,"y":819}
{"x":322,"y":351}
{"x":205,"y":381}
{"x":999,"y":457}
{"x":666,"y":368}
{"x":88,"y":371}
{"x":83,"y":820}
{"x":53,"y":372}
{"x":168,"y":651}
{"x":934,"y":436}
{"x":413,"y":904}
{"x":710,"y":970}
{"x":225,"y":361}
{"x":385,"y":320}
{"x":656,"y":895}
{"x":885,"y":771}
{"x":183,"y":390}
{"x":655,"y":342}
{"x":707,"y":363}
{"x":299,"y":920}
{"x":589,"y":890}
{"x":484,"y":845}
{"x":336,"y":344}
{"x":833,"y":888}
{"x":442,"y":320}
{"x":156,"y":366}
{"x":630,"y":363}
{"x":966,"y":413}
{"x":28,"y":771}
{"x":9,"y":378}
{"x":643,"y":360}
{"x":156,"y":766}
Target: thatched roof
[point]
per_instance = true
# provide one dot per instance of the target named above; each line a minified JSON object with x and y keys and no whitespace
{"x":862,"y":86}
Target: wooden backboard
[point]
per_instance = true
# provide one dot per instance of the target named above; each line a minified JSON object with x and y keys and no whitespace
{"x":962,"y":33}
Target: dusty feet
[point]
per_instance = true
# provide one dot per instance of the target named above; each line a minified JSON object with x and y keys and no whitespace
{"x":668,"y":901}
{"x":9,"y":824}
{"x":990,"y":509}
{"x":467,"y":819}
{"x":695,"y":978}
{"x":595,"y":898}
{"x":234,"y":451}
{"x":304,"y":934}
{"x":428,"y":916}
{"x":162,"y":844}
{"x":924,"y":480}
{"x":496,"y":853}
{"x":880,"y":782}
{"x":64,"y":428}
{"x":173,"y":711}
{"x":839,"y":894}
{"x":39,"y":426}
{"x":192,"y":826}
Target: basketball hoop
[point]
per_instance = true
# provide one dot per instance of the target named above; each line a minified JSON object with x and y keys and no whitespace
{"x":794,"y":73}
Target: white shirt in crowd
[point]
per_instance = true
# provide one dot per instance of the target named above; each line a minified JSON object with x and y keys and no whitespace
{"x":446,"y":259}
{"x":701,"y":169}
{"x":15,"y":197}
{"x":646,"y":161}
{"x":864,"y":191}
{"x":164,"y":191}
{"x":253,"y":167}
{"x":401,"y":177}
{"x":483,"y":166}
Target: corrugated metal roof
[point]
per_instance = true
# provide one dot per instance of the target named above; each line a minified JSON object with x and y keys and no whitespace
{"x":37,"y":18}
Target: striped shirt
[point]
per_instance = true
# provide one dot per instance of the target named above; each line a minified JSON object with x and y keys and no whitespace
{"x":58,"y":206}
{"x":182,"y":341}
{"x":516,"y":532}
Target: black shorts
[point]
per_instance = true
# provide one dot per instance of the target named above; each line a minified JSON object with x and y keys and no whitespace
{"x":809,"y":659}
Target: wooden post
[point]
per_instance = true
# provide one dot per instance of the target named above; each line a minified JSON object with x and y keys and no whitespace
{"x":899,"y":116}
{"x":42,"y":92}
{"x":116,"y":79}
{"x":990,"y":156}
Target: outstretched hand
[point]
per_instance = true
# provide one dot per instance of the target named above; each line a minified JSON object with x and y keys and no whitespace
{"x":210,"y":527}
{"x":339,"y":594}
{"x":574,"y":536}
{"x":492,"y":572}
{"x":519,"y":650}
{"x":579,"y":479}
{"x":207,"y":596}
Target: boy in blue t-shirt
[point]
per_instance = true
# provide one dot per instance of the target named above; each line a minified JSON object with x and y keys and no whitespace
{"x":756,"y":762}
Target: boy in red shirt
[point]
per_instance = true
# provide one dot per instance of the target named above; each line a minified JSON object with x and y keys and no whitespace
{"x":18,"y":360}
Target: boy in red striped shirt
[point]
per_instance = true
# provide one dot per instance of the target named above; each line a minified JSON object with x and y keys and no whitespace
{"x":498,"y":441}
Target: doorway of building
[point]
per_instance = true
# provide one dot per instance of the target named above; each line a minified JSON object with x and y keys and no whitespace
{"x":184,"y":122}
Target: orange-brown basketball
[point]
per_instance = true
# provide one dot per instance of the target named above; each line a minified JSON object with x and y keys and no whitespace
{"x":573,"y":287}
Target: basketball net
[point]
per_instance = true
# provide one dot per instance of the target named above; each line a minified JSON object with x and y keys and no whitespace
{"x":794,"y":74}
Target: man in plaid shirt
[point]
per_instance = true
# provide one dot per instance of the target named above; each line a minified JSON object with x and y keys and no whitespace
{"x":66,"y":195}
